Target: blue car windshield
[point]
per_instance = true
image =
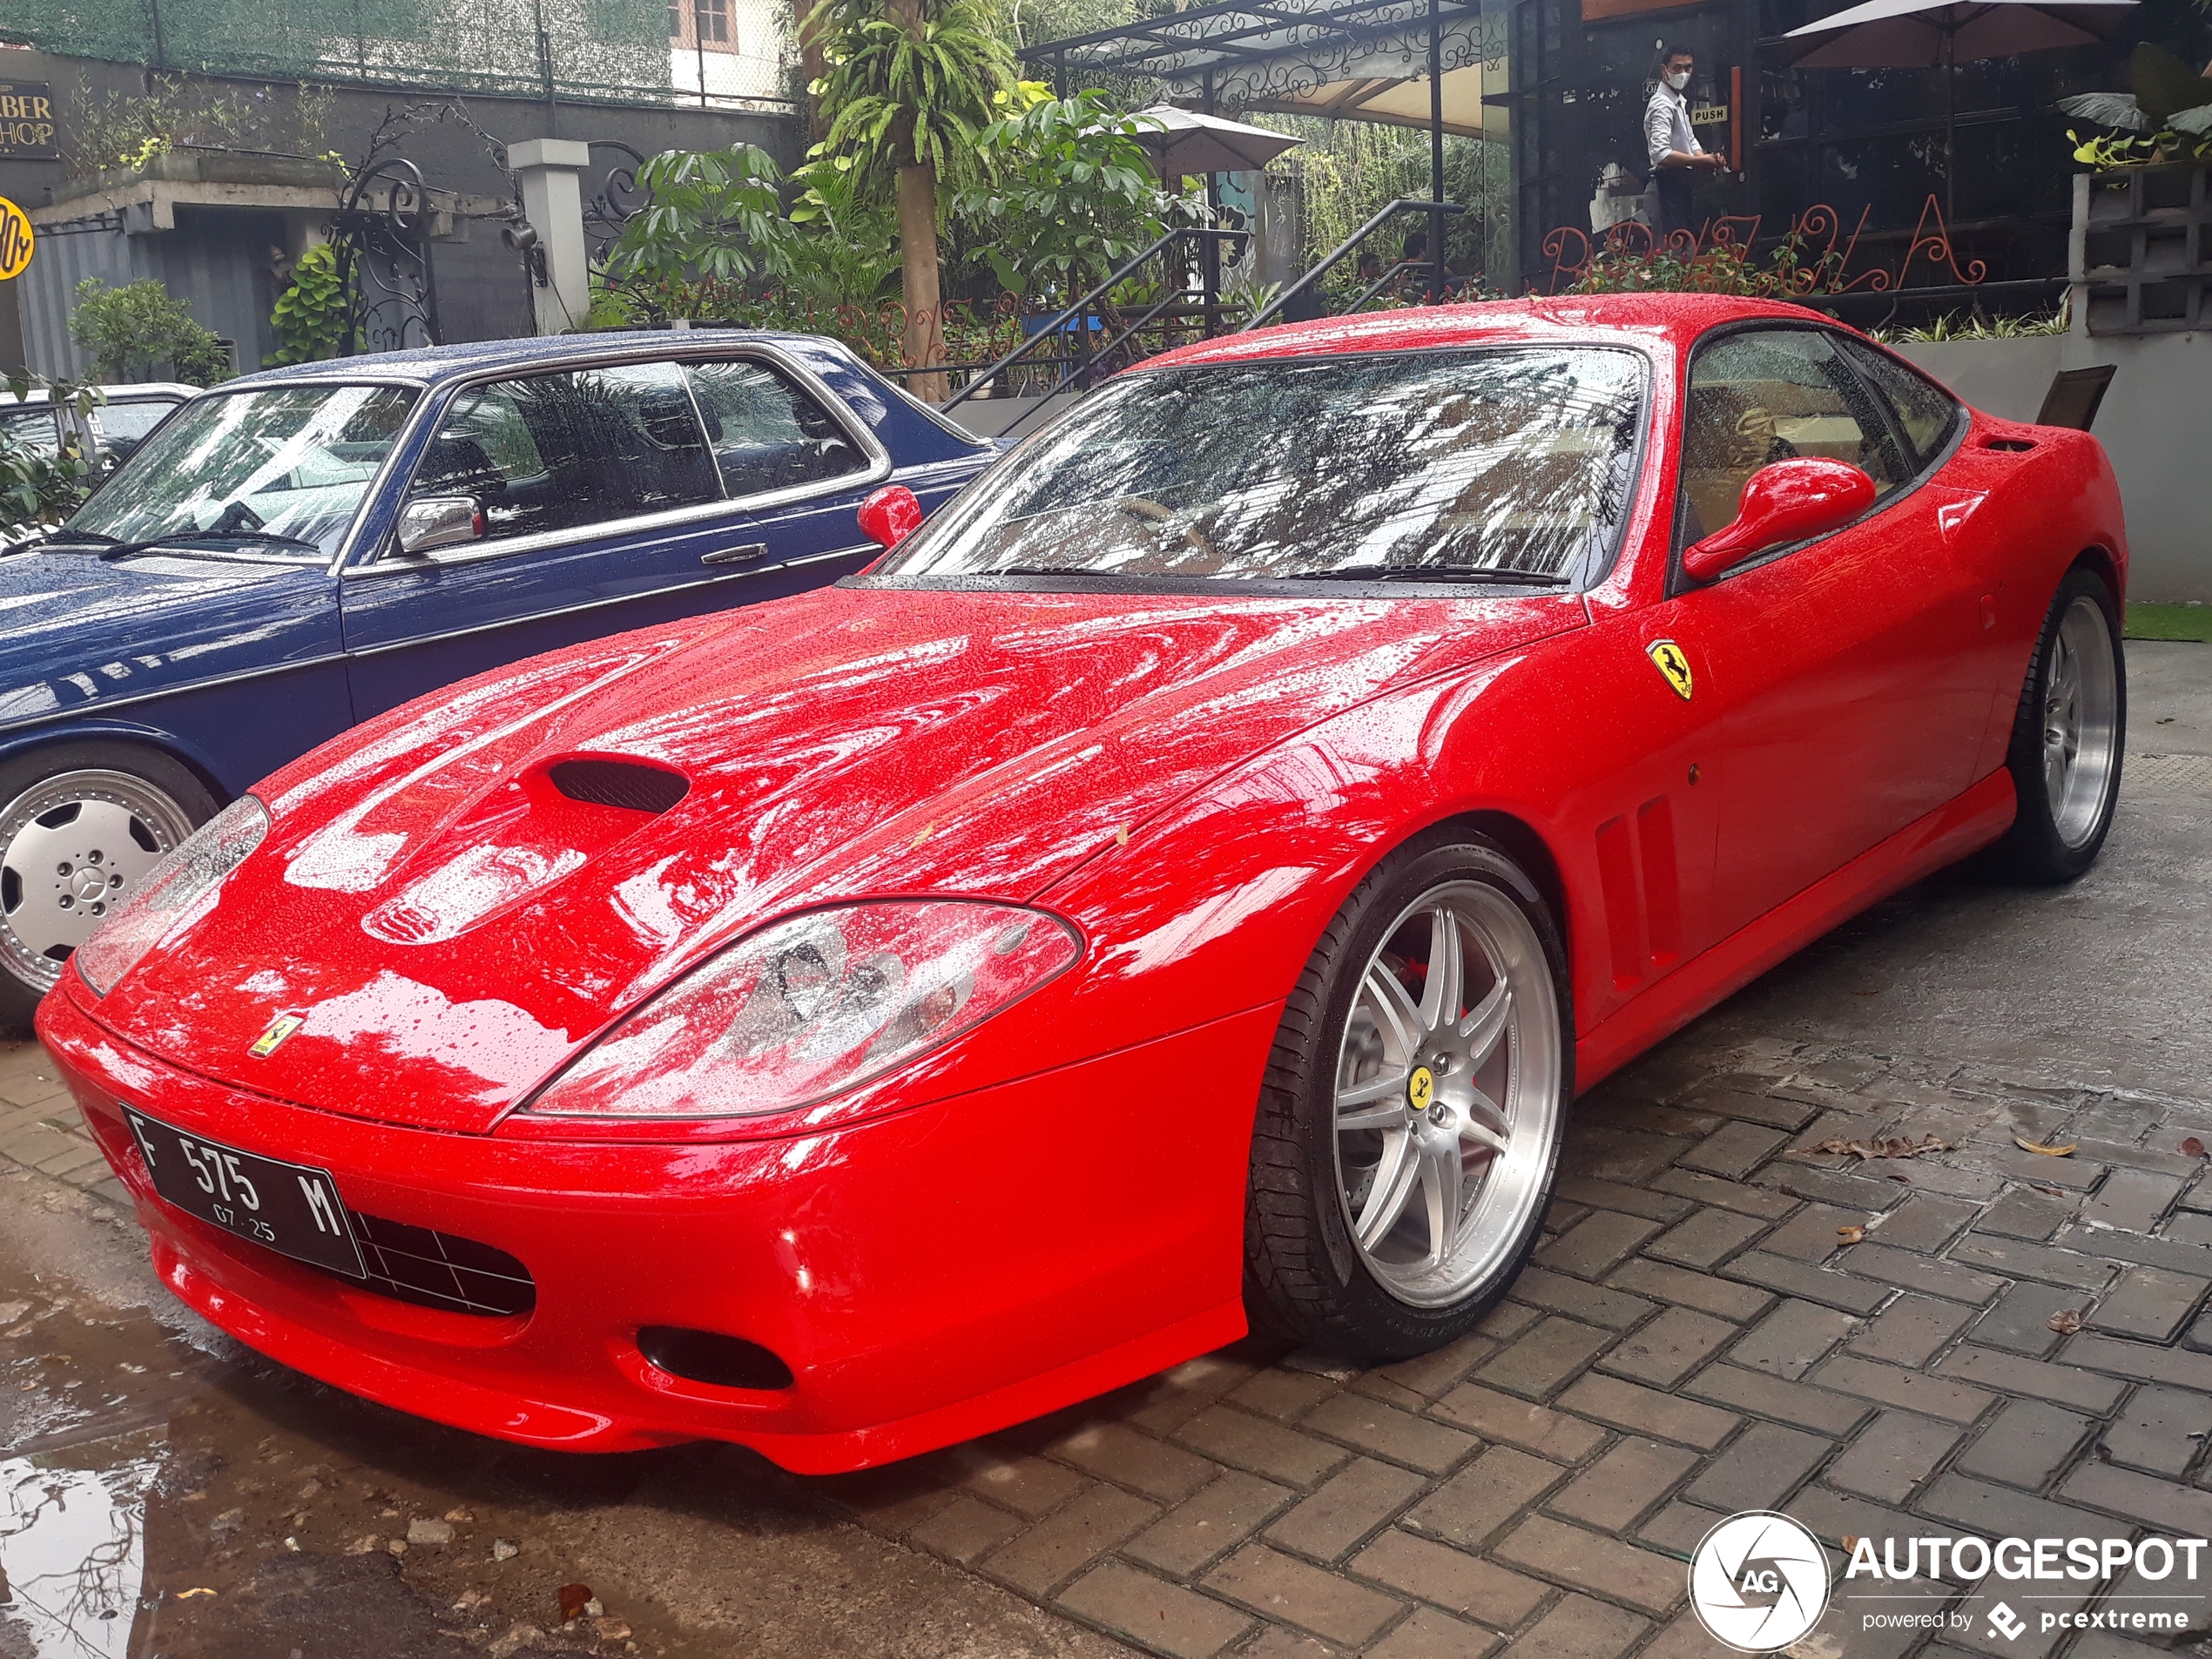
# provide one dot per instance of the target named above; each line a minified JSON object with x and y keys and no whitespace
{"x":1489,"y":463}
{"x":268,"y":471}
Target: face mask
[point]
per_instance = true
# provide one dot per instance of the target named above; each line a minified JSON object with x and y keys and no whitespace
{"x":1678,"y":78}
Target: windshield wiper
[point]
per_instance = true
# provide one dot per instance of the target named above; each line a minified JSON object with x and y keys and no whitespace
{"x":115,"y":550}
{"x":1426,"y":573}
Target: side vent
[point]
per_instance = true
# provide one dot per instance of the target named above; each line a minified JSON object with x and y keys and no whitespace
{"x":620,"y":783}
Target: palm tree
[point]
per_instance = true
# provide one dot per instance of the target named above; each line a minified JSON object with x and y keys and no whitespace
{"x":911,"y":84}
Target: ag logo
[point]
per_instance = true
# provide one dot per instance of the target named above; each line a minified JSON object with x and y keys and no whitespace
{"x":1667,"y":658}
{"x":273,"y":1039}
{"x":1420,"y":1088}
{"x":1759,"y":1582}
{"x":15,"y":239}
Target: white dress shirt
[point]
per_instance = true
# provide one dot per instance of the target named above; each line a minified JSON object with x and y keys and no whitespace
{"x":1666,"y":126}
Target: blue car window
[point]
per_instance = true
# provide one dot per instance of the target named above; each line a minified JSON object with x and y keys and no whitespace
{"x":766,"y":432}
{"x":567,"y":450}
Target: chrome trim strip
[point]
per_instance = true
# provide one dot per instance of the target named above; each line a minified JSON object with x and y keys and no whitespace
{"x":103,"y":705}
{"x":593,"y":604}
{"x":745,"y":554}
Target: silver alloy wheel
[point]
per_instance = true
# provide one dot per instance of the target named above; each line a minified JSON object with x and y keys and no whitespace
{"x":1448,"y":1085}
{"x":72,"y":848}
{"x":2081,"y":720}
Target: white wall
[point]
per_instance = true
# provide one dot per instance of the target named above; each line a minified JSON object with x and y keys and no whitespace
{"x":2155,"y":424}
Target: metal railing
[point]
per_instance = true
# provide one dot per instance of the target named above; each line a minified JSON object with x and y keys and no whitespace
{"x":1433,"y":263}
{"x":1096,"y":334}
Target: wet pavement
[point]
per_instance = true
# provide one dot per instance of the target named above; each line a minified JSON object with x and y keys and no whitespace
{"x":166,"y":1492}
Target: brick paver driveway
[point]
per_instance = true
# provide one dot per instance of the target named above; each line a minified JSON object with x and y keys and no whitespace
{"x":1696,"y":1336}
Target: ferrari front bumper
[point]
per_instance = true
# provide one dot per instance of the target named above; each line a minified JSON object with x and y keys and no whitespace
{"x":926,"y":1276}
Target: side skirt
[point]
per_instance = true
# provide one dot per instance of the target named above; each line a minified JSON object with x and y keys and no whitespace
{"x":1943,"y":836}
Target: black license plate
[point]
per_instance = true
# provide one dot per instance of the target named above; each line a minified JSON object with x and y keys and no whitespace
{"x":290,"y":1208}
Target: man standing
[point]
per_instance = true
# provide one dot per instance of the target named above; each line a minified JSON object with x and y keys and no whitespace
{"x":1676,"y":157}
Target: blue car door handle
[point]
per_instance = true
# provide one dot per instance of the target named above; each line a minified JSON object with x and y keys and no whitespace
{"x":745,"y":554}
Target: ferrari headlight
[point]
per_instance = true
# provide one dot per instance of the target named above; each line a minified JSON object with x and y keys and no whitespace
{"x":187,"y":878}
{"x":813,"y":1006}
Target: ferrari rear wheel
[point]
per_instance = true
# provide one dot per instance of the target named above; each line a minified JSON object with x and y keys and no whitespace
{"x":80,"y":826}
{"x":2068,"y":736}
{"x":1410,"y":1120}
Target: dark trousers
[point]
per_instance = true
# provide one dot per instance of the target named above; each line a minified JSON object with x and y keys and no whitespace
{"x":1678,"y":211}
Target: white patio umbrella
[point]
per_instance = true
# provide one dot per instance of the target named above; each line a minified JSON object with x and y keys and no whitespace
{"x":1942,"y":34}
{"x":1186,"y":142}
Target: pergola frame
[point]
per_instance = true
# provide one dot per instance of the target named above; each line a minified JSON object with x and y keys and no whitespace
{"x":1264,"y":46}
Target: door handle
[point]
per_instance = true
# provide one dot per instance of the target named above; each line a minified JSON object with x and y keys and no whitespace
{"x":749,"y":554}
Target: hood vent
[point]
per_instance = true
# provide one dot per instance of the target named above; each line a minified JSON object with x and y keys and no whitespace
{"x":620,"y":783}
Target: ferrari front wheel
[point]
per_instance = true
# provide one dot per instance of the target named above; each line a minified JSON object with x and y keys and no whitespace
{"x":2068,"y":734}
{"x":1410,"y":1120}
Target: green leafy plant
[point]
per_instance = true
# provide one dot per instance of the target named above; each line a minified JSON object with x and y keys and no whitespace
{"x":133,"y":330}
{"x":910,"y":87}
{"x":1721,"y":267}
{"x":708,"y":213}
{"x":310,"y":316}
{"x":1950,"y":327}
{"x":129,"y":129}
{"x":38,"y":489}
{"x":1070,"y":195}
{"x":2166,"y":115}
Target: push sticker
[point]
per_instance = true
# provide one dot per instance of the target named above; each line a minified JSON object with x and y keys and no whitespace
{"x":1667,"y":658}
{"x":273,"y":1039}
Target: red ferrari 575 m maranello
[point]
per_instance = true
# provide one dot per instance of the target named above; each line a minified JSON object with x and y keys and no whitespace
{"x":1187,"y":881}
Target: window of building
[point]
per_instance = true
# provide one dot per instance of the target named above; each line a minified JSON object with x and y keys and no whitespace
{"x":701,"y":24}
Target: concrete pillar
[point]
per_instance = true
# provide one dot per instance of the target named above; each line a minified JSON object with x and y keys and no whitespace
{"x":549,"y":172}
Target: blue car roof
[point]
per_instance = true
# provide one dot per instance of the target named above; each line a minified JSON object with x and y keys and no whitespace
{"x":434,"y":365}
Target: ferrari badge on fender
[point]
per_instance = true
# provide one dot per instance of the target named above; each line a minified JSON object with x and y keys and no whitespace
{"x":1667,"y":658}
{"x":271,"y":1039}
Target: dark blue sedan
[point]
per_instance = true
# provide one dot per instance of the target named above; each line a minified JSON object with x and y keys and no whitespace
{"x":300,"y":550}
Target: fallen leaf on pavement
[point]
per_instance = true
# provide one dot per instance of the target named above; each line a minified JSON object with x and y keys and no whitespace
{"x":1890,"y":1146}
{"x":2048,"y":1192}
{"x":2042,"y":1149}
{"x":1850,"y":1235}
{"x":181,"y":1595}
{"x":2066,"y":1321}
{"x":2192,"y":1147}
{"x":573,"y":1597}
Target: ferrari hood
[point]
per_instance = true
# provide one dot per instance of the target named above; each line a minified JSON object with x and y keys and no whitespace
{"x":456,"y":897}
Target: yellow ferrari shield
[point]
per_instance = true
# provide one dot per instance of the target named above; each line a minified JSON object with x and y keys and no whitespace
{"x":1420,"y":1088}
{"x":280,"y":1028}
{"x":1667,"y":658}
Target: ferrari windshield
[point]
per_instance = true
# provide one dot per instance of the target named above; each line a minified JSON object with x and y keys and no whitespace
{"x":276,"y":470}
{"x":1496,"y":463}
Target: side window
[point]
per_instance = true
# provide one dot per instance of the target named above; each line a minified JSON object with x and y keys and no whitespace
{"x":558,"y":452}
{"x":768,"y":434}
{"x":123,"y":427}
{"x":1767,"y":395}
{"x":1925,"y":411}
{"x":31,"y":428}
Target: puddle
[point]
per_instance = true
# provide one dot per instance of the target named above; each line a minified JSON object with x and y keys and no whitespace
{"x":73,"y":1545}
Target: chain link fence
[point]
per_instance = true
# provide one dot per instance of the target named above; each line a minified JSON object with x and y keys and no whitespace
{"x":584,"y":49}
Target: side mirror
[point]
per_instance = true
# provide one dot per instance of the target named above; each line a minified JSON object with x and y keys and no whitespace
{"x":1785,"y":502}
{"x":890,"y":515}
{"x":432,"y":521}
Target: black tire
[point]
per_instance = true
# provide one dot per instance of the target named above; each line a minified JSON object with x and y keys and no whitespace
{"x":2044,"y":846}
{"x":173,"y":799}
{"x":1306,"y":1276}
